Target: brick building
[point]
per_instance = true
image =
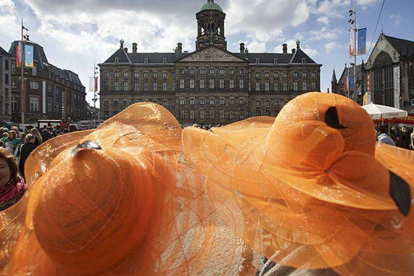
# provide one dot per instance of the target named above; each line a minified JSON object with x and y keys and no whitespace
{"x":51,"y":92}
{"x":5,"y":85}
{"x":210,"y":85}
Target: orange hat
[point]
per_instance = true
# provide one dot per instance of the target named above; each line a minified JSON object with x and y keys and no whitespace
{"x":309,"y":189}
{"x":114,"y":201}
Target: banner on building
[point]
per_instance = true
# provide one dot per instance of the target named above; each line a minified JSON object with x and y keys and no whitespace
{"x":351,"y":83}
{"x":44,"y":97}
{"x":19,"y":54}
{"x":362,"y":41}
{"x":345,"y":84}
{"x":91,"y":84}
{"x":370,"y":81}
{"x":96,"y":84}
{"x":351,"y":43}
{"x":397,"y":91}
{"x":367,"y":98}
{"x":28,"y":55}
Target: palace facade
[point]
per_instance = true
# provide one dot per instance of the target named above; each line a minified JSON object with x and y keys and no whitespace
{"x":210,"y":85}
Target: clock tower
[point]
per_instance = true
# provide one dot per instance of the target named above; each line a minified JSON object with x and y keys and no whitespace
{"x":210,"y":23}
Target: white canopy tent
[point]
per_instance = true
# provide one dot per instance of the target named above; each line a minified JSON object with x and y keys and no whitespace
{"x":381,"y":112}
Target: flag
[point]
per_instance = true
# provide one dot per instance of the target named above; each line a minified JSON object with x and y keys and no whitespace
{"x":19,"y":54}
{"x":91,"y":84}
{"x":362,"y":41}
{"x":351,"y":43}
{"x":96,"y":84}
{"x":28,"y":55}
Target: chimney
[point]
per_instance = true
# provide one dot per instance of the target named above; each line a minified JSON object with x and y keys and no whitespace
{"x":285,"y":48}
{"x":179,"y":48}
{"x":126,"y":50}
{"x":242,"y":48}
{"x":134,"y":48}
{"x":293,"y":50}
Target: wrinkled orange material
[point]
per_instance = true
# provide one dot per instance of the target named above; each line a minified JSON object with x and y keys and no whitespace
{"x":311,"y":196}
{"x":131,"y":208}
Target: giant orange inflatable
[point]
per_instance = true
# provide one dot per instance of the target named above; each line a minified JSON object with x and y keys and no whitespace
{"x":311,"y":189}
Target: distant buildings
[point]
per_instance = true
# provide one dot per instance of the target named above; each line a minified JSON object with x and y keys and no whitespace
{"x":210,"y":85}
{"x":5,"y":85}
{"x":387,"y":76}
{"x":50,"y":92}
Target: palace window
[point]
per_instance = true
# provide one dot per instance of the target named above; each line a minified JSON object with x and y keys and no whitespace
{"x":192,"y":72}
{"x":136,"y":86}
{"x":192,"y":101}
{"x":267,"y":86}
{"x":211,"y":83}
{"x":155,"y":74}
{"x":164,"y":86}
{"x":267,"y":75}
{"x":241,"y":72}
{"x":221,"y":113}
{"x":181,"y":83}
{"x":116,"y":86}
{"x":304,"y":84}
{"x":285,"y":75}
{"x":313,"y":74}
{"x":212,"y":101}
{"x":125,"y":74}
{"x":106,"y":75}
{"x":231,"y":101}
{"x":285,"y":86}
{"x":164,"y":75}
{"x":304,"y":75}
{"x":106,"y":104}
{"x":221,"y":83}
{"x":182,"y":114}
{"x":211,"y":113}
{"x":276,"y":86}
{"x":136,"y":75}
{"x":201,"y":71}
{"x":145,"y":86}
{"x":241,"y":101}
{"x":192,"y":83}
{"x":257,"y":86}
{"x":182,"y":102}
{"x":221,"y":101}
{"x":173,"y":85}
{"x":202,"y":114}
{"x":116,"y":74}
{"x":267,"y":103}
{"x":33,"y":85}
{"x":146,"y":75}
{"x":231,"y":71}
{"x":154,"y":86}
{"x":295,"y":75}
{"x":231,"y":83}
{"x":241,"y":83}
{"x":164,"y":103}
{"x":211,"y":71}
{"x":125,"y":86}
{"x":192,"y":114}
{"x":313,"y":85}
{"x":276,"y":75}
{"x":257,"y":75}
{"x":295,"y":86}
{"x":221,"y":72}
{"x":201,"y":83}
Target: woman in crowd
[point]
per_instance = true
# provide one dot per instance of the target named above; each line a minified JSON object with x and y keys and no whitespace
{"x":12,"y":186}
{"x":26,"y":149}
{"x":14,"y":140}
{"x":38,"y":137}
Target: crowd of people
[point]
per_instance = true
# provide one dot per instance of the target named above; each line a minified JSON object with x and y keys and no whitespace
{"x":401,"y":137}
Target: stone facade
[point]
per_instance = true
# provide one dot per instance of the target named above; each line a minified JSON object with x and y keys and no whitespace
{"x":51,"y":92}
{"x":210,"y":85}
{"x":388,"y":75}
{"x":5,"y":85}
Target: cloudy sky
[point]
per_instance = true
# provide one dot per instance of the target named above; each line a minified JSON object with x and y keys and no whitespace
{"x":77,"y":33}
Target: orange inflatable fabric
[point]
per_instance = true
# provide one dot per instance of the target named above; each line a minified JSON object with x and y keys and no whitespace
{"x":311,"y":189}
{"x":118,"y":200}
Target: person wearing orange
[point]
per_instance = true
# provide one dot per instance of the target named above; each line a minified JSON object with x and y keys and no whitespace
{"x":312,"y":191}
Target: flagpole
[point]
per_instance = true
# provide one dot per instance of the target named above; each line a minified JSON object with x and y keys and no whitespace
{"x":22,"y":72}
{"x":355,"y":96}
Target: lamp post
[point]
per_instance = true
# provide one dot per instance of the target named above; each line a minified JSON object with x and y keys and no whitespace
{"x":95,"y":88}
{"x":354,"y":29}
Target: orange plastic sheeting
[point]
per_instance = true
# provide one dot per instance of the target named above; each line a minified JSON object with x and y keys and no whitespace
{"x":312,"y":190}
{"x":126,"y":204}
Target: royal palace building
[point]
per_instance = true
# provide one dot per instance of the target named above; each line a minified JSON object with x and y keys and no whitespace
{"x":210,"y":85}
{"x":49,"y":92}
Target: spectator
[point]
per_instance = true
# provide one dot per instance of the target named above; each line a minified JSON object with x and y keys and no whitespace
{"x":38,"y":137}
{"x":28,"y":146}
{"x":14,"y":140}
{"x":383,"y":136}
{"x":72,"y":128}
{"x":45,"y":134}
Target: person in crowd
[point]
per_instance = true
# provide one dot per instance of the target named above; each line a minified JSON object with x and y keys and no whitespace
{"x":45,"y":134}
{"x":28,"y":146}
{"x":412,"y":139}
{"x":406,"y":137}
{"x":37,"y":136}
{"x":72,"y":128}
{"x":22,"y":135}
{"x":29,"y":128}
{"x":7,"y":142}
{"x":14,"y":140}
{"x":399,"y":140}
{"x":12,"y":186}
{"x":383,"y":136}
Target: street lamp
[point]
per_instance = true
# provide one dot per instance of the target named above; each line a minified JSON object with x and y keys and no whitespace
{"x":25,"y":37}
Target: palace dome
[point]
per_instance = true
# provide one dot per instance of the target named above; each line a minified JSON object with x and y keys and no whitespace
{"x":210,"y":5}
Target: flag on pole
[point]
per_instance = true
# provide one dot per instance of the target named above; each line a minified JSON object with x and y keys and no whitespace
{"x":351,"y":43}
{"x":91,"y":84}
{"x":19,"y":54}
{"x":362,"y":41}
{"x":28,"y":56}
{"x":96,"y":84}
